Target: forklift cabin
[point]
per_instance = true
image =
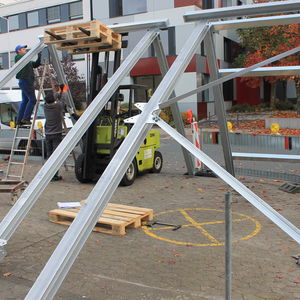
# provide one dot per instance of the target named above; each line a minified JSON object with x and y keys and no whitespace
{"x":108,"y":131}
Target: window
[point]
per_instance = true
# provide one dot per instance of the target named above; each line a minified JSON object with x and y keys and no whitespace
{"x":4,"y":61}
{"x":131,"y":7}
{"x":231,"y":50}
{"x":228,"y":90}
{"x":3,"y":25}
{"x":207,"y":4}
{"x":202,"y":49}
{"x":152,"y":82}
{"x":227,"y":50}
{"x":53,"y":14}
{"x":205,"y":93}
{"x":33,"y":19}
{"x":126,"y":7}
{"x":12,"y":58}
{"x":13,"y":23}
{"x":76,"y":10}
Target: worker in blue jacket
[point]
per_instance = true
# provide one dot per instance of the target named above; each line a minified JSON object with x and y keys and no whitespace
{"x":26,"y":84}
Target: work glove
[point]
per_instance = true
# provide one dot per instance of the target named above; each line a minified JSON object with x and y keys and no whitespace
{"x":71,"y":110}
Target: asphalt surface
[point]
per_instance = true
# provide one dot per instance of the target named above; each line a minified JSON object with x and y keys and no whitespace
{"x":159,"y":263}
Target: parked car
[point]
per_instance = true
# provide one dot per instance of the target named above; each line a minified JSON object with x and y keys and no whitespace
{"x":10,"y":101}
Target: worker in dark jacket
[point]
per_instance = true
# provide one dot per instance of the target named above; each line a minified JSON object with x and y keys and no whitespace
{"x":26,"y":84}
{"x":54,"y":113}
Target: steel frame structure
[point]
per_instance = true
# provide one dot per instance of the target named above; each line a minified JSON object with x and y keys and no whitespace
{"x":57,"y":267}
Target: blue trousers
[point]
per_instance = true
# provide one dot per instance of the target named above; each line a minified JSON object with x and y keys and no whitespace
{"x":28,"y":99}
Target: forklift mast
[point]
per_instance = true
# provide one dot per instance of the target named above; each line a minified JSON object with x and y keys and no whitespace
{"x":98,"y":80}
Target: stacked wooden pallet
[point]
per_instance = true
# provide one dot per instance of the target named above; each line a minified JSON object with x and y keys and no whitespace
{"x":83,"y":38}
{"x":114,"y":219}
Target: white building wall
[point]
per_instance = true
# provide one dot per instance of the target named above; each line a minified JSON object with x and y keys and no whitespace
{"x":156,"y":10}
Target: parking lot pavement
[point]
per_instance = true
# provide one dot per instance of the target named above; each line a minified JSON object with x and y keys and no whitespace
{"x":159,"y":263}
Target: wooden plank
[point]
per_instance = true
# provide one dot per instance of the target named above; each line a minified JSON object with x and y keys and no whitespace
{"x":10,"y":186}
{"x":87,"y":37}
{"x":112,"y":220}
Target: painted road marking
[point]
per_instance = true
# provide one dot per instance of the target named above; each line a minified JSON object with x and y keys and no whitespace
{"x":158,"y":232}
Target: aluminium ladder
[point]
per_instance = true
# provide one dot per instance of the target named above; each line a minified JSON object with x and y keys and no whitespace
{"x":13,"y":180}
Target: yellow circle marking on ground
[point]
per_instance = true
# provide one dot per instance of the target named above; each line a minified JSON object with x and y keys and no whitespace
{"x":236,"y":217}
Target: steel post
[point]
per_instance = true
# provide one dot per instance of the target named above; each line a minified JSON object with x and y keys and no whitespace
{"x":163,"y":64}
{"x":69,"y":247}
{"x":219,"y":102}
{"x":228,"y":246}
{"x":60,"y":74}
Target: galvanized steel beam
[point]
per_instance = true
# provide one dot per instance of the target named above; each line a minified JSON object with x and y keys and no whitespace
{"x":219,"y":102}
{"x":229,"y":77}
{"x":265,"y":71}
{"x":163,"y":64}
{"x":255,"y":200}
{"x":242,"y":11}
{"x":146,"y":25}
{"x":60,"y":74}
{"x":266,"y":157}
{"x":256,"y":22}
{"x":22,"y":63}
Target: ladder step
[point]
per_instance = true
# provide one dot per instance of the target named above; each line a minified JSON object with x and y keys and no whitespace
{"x":15,"y":176}
{"x":23,"y":138}
{"x":16,"y":163}
{"x":19,"y":150}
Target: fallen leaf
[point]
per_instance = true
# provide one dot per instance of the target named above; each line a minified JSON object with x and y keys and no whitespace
{"x":200,"y":189}
{"x":171,"y":262}
{"x":279,"y":276}
{"x":6,"y":274}
{"x":297,"y":281}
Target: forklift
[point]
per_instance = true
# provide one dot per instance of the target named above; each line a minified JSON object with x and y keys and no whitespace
{"x":108,"y":131}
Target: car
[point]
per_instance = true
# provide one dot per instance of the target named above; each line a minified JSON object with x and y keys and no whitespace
{"x":10,"y":101}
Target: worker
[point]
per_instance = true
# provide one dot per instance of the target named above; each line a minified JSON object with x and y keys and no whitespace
{"x":60,"y":94}
{"x":26,"y":84}
{"x":54,"y":110}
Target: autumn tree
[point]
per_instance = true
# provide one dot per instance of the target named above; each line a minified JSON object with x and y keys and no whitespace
{"x":261,"y":43}
{"x":75,"y":81}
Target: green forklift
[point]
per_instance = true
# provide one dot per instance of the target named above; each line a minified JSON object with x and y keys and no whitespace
{"x":108,"y":131}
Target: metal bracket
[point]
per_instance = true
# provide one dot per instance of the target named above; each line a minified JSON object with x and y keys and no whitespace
{"x":2,"y":249}
{"x":133,"y":120}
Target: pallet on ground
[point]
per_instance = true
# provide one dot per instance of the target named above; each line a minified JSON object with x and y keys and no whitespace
{"x":90,"y":36}
{"x":114,"y":219}
{"x":11,"y":186}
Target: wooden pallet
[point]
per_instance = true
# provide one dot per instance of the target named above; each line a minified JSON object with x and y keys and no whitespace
{"x":82,"y":38}
{"x":114,"y":219}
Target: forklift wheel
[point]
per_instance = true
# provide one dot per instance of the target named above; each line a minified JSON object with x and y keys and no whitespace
{"x":157,"y":162}
{"x":79,"y":169}
{"x":130,"y":174}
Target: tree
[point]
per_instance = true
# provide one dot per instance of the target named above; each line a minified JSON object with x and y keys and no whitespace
{"x":261,"y":43}
{"x":75,"y":81}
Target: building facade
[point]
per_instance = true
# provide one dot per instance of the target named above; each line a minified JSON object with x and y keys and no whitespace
{"x":22,"y":22}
